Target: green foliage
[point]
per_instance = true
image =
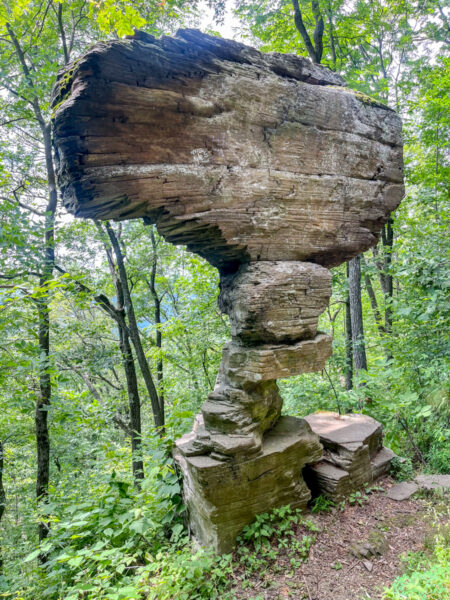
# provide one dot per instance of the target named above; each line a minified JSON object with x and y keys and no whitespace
{"x":96,"y":545}
{"x":322,"y":504}
{"x":186,"y":574}
{"x":261,"y":542}
{"x":427,"y":578}
{"x":358,"y":498}
{"x":402,"y":469}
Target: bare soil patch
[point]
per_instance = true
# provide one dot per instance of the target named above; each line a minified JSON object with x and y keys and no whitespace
{"x":387,"y":527}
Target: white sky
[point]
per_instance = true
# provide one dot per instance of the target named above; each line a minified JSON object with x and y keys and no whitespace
{"x":230,"y":27}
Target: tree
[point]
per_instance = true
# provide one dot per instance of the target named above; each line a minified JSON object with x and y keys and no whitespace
{"x":356,"y":314}
{"x":315,"y":46}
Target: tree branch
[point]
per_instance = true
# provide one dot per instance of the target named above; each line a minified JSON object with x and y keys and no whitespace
{"x":298,"y":20}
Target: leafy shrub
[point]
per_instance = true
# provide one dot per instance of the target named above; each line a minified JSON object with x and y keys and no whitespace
{"x":438,"y":456}
{"x":433,"y":583}
{"x":261,"y":542}
{"x":322,"y":504}
{"x":402,"y":469}
{"x":99,"y":546}
{"x":187,"y":575}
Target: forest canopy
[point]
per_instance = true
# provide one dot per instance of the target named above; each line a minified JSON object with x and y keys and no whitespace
{"x":111,"y":337}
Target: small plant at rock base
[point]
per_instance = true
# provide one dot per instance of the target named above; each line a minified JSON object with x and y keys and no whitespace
{"x":256,"y":549}
{"x":358,"y":498}
{"x":402,"y":469}
{"x":322,"y":504}
{"x":371,"y":489}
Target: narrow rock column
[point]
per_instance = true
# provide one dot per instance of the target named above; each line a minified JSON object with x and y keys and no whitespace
{"x":242,"y":458}
{"x":274,"y":308}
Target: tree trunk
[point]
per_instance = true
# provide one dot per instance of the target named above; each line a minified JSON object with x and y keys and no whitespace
{"x":373,"y":301}
{"x":354,"y":286}
{"x":388,"y":242}
{"x":2,"y":498}
{"x":43,"y":304}
{"x":134,"y":407}
{"x":41,"y":413}
{"x":158,"y":412}
{"x":133,"y":428}
{"x":45,"y":382}
{"x":158,"y":336}
{"x":348,"y":342}
{"x":314,"y":50}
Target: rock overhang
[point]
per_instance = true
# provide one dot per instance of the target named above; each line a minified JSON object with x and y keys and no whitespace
{"x":240,"y":155}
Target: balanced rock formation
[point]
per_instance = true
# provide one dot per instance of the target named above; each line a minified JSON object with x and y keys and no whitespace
{"x":267,"y":166}
{"x":353,"y":454}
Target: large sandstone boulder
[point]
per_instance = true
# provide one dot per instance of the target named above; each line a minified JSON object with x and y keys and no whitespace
{"x":243,"y":156}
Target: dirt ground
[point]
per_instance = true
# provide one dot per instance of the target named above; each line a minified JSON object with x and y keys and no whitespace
{"x":388,"y":528}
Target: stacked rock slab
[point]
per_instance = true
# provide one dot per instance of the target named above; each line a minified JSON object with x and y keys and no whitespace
{"x":224,"y":496}
{"x":353,"y":454}
{"x":267,"y":166}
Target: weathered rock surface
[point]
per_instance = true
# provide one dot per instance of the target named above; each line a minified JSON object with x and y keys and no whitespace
{"x":433,"y":482}
{"x":223,"y":497}
{"x":275,"y":302}
{"x":243,"y":156}
{"x":242,"y":416}
{"x":353,"y":453}
{"x":243,"y":365}
{"x":402,"y":491}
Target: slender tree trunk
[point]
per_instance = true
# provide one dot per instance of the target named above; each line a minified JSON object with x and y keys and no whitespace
{"x":314,"y":50}
{"x":2,"y":498}
{"x":43,"y":304}
{"x":134,"y":407}
{"x":158,"y":413}
{"x":354,"y":286}
{"x":388,"y":242}
{"x":348,"y":342}
{"x":41,"y":413}
{"x":133,"y":428}
{"x":45,"y":382}
{"x":158,"y":335}
{"x":373,"y":301}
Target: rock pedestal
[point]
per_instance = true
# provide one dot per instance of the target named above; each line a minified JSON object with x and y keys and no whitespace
{"x":353,"y":454}
{"x":268,"y":167}
{"x":224,"y":496}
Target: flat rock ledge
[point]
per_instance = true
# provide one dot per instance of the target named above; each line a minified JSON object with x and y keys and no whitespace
{"x":224,"y":496}
{"x":353,"y":454}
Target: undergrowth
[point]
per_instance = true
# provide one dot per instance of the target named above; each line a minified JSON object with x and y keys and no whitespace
{"x":427,"y":575}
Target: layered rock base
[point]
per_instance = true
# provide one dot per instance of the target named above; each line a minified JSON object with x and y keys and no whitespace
{"x":224,"y":496}
{"x":353,"y":454}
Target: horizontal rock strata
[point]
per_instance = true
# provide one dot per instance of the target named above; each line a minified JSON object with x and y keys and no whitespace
{"x":253,"y":364}
{"x":275,"y":302}
{"x":223,"y":497}
{"x":243,"y":156}
{"x":353,"y":454}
